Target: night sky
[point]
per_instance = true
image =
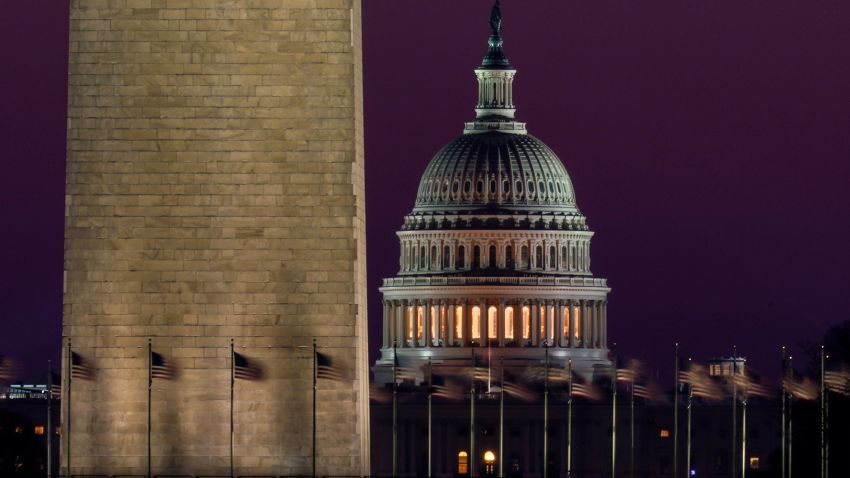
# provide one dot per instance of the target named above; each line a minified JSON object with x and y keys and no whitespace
{"x":708,"y":143}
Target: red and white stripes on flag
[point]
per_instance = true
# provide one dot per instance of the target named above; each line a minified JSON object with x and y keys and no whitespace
{"x":702,"y":386}
{"x":837,"y":381}
{"x":160,"y":367}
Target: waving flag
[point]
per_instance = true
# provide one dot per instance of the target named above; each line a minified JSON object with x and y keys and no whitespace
{"x":8,"y":368}
{"x":516,"y":389}
{"x":160,"y":367}
{"x":837,"y":381}
{"x":443,"y":387}
{"x":802,"y":388}
{"x":750,"y":385}
{"x":326,"y":369}
{"x":80,"y":368}
{"x":245,"y":368}
{"x":696,"y":377}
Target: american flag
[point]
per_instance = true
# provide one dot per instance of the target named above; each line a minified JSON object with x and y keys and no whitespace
{"x":517,"y":389}
{"x":80,"y":367}
{"x":55,"y":385}
{"x":801,"y":388}
{"x":696,"y":377}
{"x":326,"y":369}
{"x":245,"y":368}
{"x":160,"y":367}
{"x":837,"y":381}
{"x":443,"y":388}
{"x":751,"y":386}
{"x":8,"y":368}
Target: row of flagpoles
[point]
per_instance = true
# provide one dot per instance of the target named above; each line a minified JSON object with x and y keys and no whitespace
{"x":692,"y":382}
{"x":159,"y":367}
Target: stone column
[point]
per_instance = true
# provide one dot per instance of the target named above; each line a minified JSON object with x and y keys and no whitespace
{"x":450,"y":324}
{"x":535,"y":325}
{"x":387,"y":324}
{"x":500,"y":323}
{"x":585,"y":320}
{"x":426,"y":323}
{"x":605,"y":324}
{"x":559,"y":323}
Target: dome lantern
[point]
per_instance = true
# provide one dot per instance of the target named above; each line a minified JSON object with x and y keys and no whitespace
{"x":495,"y":109}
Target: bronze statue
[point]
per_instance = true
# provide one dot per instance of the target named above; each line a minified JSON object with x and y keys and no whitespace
{"x":496,"y":19}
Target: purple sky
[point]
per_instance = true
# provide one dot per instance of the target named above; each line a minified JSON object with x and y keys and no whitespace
{"x":708,"y":142}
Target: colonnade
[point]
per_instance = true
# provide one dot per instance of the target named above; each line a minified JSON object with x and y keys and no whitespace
{"x":447,"y":255}
{"x":568,"y":323}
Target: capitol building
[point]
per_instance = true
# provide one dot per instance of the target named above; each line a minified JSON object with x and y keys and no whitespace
{"x":496,"y":253}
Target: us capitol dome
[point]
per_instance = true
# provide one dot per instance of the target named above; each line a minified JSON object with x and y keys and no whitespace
{"x":496,"y":253}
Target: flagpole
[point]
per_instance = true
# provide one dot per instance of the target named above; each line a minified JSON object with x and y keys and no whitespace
{"x":501,"y":457}
{"x":232,"y":394}
{"x":150,"y":390}
{"x":430,"y":390}
{"x":395,"y":408}
{"x":784,"y":416}
{"x":744,"y":437}
{"x":570,"y":419}
{"x":472,"y":416}
{"x":546,"y":411}
{"x":734,"y":408}
{"x":68,"y":426}
{"x":315,"y":382}
{"x":614,"y":416}
{"x":822,"y":415}
{"x":49,"y":433}
{"x":632,"y":426}
{"x":791,"y":423}
{"x":690,"y":405}
{"x":676,"y":413}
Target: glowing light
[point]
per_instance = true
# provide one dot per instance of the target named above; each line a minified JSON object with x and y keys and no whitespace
{"x":489,"y":457}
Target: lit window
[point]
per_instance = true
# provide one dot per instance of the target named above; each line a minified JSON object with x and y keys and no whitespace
{"x":577,"y":321}
{"x":551,"y":325}
{"x":665,"y":433}
{"x":39,"y":430}
{"x":509,"y":323}
{"x":566,"y":317}
{"x":459,"y":322}
{"x":410,"y":322}
{"x":476,"y":323}
{"x":420,"y":318}
{"x":435,"y":317}
{"x":754,"y":462}
{"x":462,"y":463}
{"x":492,"y":317}
{"x":19,"y":429}
{"x":526,"y":323}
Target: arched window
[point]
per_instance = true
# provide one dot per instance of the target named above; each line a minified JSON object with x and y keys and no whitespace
{"x":523,"y":257}
{"x":459,"y":322}
{"x":461,"y":258}
{"x":509,"y":323}
{"x":463,"y":463}
{"x":538,"y":257}
{"x":447,"y":257}
{"x":476,"y":257}
{"x":476,"y":323}
{"x":435,"y":258}
{"x":492,"y":317}
{"x":491,"y":260}
{"x":553,"y":256}
{"x":573,"y":258}
{"x":564,"y":257}
{"x":509,"y":257}
{"x":422,"y":257}
{"x":566,"y":332}
{"x":526,"y":323}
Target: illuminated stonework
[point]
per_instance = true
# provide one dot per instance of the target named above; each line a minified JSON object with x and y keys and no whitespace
{"x":495,"y":252}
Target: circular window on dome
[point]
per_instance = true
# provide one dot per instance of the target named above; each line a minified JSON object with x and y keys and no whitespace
{"x":467,"y":186}
{"x":559,"y":187}
{"x":492,"y":186}
{"x":518,"y":188}
{"x":541,"y":188}
{"x":479,"y":187}
{"x":506,"y":188}
{"x":530,"y":189}
{"x":551,"y":188}
{"x":445,"y":187}
{"x":455,"y":186}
